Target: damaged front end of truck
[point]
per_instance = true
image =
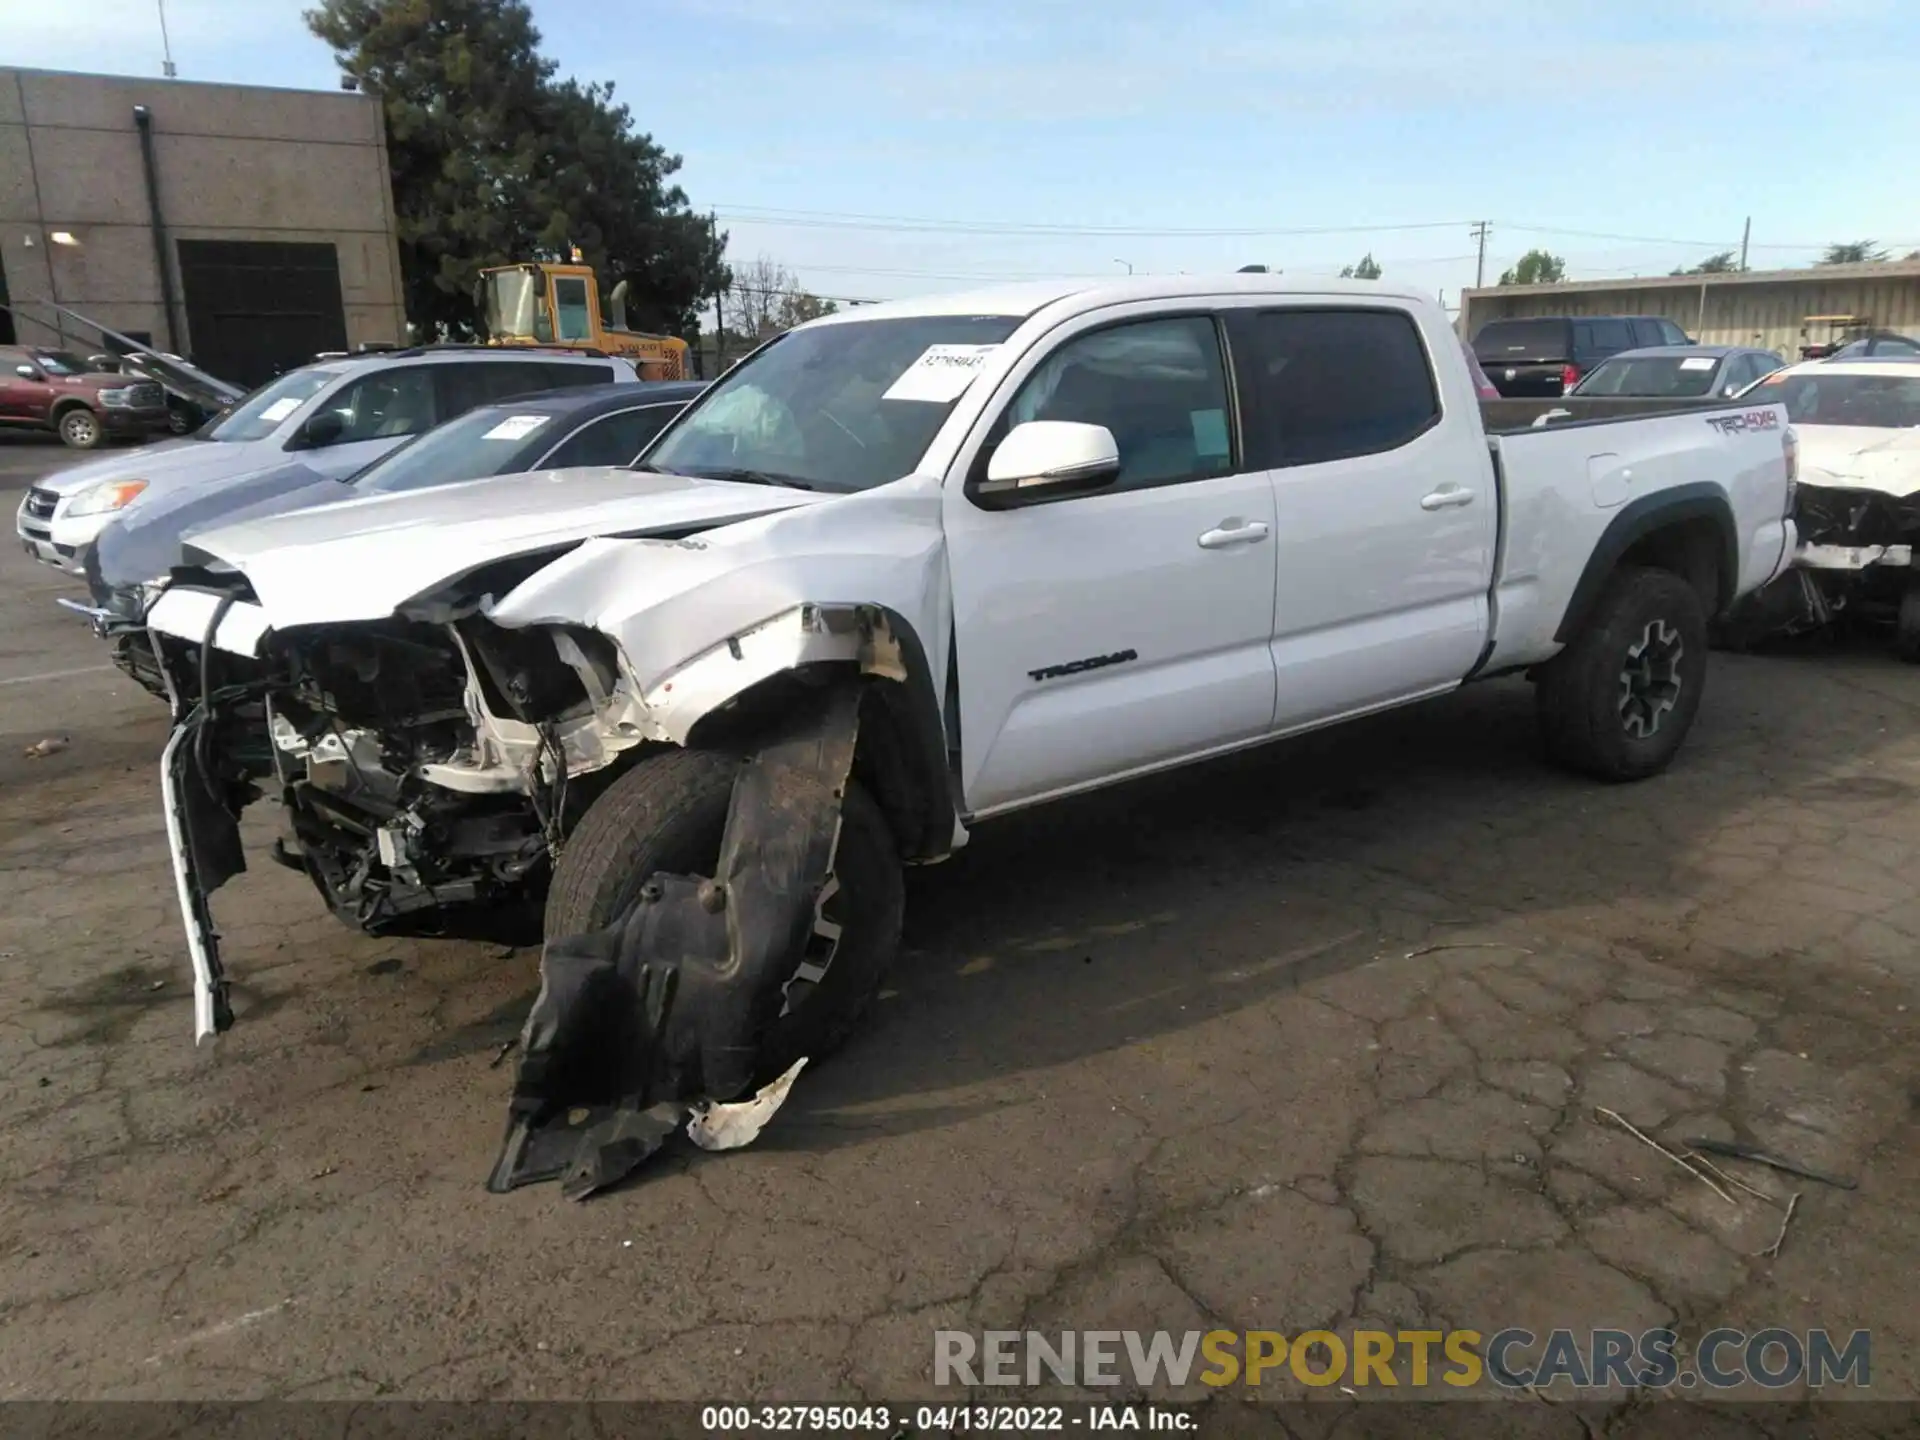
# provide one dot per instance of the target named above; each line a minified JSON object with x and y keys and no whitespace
{"x":440,"y":757}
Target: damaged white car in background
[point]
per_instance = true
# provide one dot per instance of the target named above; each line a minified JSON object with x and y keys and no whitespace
{"x":902,"y":569}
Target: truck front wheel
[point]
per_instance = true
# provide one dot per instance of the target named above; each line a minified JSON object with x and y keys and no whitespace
{"x":669,"y":812}
{"x":79,"y":428}
{"x":1619,"y":700}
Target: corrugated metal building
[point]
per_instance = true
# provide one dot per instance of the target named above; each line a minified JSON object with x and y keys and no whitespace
{"x":1756,"y":307}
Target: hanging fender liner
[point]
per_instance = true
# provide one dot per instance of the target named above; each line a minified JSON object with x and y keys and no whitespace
{"x":1638,"y":520}
{"x":662,"y":1014}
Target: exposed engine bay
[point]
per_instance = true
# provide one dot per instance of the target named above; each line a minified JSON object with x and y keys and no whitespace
{"x":1855,"y":560}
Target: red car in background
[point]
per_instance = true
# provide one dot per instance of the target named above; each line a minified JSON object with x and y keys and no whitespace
{"x":56,"y":391}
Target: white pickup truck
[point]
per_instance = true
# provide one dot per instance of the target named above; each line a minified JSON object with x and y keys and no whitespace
{"x":1049,"y":538}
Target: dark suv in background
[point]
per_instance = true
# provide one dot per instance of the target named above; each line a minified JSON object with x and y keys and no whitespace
{"x":1541,"y":356}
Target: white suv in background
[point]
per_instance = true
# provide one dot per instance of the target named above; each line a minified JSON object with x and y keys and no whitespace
{"x":335,"y":417}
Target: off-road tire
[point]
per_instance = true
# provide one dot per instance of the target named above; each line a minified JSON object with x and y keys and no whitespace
{"x":1587,"y":704}
{"x":669,"y":813}
{"x":79,"y":428}
{"x":1906,"y":625}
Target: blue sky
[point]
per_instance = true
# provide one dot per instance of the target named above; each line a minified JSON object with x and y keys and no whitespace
{"x":1044,"y":137}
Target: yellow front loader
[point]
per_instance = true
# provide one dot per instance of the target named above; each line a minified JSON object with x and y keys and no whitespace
{"x":555,"y":305}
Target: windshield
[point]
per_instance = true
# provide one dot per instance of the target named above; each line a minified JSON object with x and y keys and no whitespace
{"x":515,"y":306}
{"x":478,"y":444}
{"x":62,"y":362}
{"x":1545,"y":340}
{"x":835,"y":407}
{"x":1652,"y":375}
{"x":267,"y":408}
{"x":1881,"y":402}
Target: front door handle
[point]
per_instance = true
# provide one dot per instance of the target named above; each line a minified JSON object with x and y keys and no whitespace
{"x":1236,"y":532}
{"x":1450,"y":497}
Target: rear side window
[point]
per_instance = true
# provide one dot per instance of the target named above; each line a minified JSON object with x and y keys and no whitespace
{"x":612,"y":439}
{"x":1332,"y":384}
{"x":1607,"y":337}
{"x":466,"y":385}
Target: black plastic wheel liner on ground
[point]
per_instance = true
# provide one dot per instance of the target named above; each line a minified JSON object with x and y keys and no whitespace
{"x":670,"y":1003}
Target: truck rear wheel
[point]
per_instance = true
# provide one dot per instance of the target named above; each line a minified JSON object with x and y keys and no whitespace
{"x":669,"y":812}
{"x":1617,"y":703}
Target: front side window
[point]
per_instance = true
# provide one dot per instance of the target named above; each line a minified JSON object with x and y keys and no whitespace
{"x":515,"y":308}
{"x":1333,"y":384}
{"x":61,"y":362}
{"x":612,"y":439}
{"x":840,"y":406}
{"x":1158,"y":385}
{"x":386,"y":405}
{"x":572,"y":318}
{"x":271,"y":406}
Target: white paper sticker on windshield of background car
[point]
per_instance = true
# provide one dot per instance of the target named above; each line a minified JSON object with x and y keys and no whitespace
{"x":940,"y":374}
{"x":1698,"y":362}
{"x":515,"y":427}
{"x":280,"y":409}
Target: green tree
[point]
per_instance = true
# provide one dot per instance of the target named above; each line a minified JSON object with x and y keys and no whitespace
{"x":1536,"y":267}
{"x":1367,"y":269}
{"x":1853,"y":252}
{"x":1720,"y":264}
{"x":494,"y":161}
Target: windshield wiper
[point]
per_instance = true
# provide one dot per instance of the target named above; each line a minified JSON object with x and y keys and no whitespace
{"x":754,"y":477}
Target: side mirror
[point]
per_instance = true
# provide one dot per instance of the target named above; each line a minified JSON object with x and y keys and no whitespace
{"x":1047,"y":460}
{"x":26,"y":372}
{"x":322,"y":430}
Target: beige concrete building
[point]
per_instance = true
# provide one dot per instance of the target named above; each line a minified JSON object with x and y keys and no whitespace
{"x":1768,"y":308}
{"x":246,"y":227}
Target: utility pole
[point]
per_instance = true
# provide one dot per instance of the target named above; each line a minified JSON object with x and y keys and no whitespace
{"x":166,"y":45}
{"x":1479,"y":232}
{"x":1746,"y":233}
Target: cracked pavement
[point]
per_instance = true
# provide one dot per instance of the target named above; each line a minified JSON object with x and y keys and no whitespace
{"x":1315,"y":1037}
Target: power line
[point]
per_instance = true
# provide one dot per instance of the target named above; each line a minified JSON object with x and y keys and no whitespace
{"x":849,"y":220}
{"x":856,"y":220}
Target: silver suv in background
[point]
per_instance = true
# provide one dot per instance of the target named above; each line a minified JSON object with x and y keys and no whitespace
{"x":334,"y":417}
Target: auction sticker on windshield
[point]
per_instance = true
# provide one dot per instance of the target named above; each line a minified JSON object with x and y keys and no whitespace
{"x":1698,"y":362}
{"x":280,"y":409}
{"x":515,"y":427}
{"x":940,"y":374}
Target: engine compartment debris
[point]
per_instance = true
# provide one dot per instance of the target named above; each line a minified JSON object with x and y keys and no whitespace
{"x":661,"y":1018}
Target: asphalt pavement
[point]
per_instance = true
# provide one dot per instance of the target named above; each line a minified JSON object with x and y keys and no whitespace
{"x":1316,"y":1037}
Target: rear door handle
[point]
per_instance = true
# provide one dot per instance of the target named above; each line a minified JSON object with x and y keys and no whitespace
{"x":1447,"y":498}
{"x":1240,"y":532}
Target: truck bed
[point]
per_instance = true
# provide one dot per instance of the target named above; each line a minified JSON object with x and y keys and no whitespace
{"x":1563,"y":486}
{"x":1503,"y":417}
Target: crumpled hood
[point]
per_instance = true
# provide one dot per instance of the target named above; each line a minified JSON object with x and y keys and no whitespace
{"x":1856,"y":457}
{"x":169,"y":463}
{"x":363,"y":559}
